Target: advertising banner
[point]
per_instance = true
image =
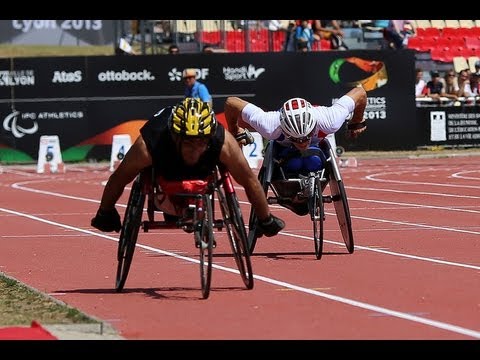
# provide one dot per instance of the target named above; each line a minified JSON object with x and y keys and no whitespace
{"x":56,"y":32}
{"x":453,"y":125}
{"x":87,"y":100}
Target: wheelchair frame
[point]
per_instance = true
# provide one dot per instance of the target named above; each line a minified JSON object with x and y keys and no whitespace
{"x":313,"y":188}
{"x":200,"y":218}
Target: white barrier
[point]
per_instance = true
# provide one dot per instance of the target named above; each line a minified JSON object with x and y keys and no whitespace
{"x":49,"y":155}
{"x":254,"y":152}
{"x":120,"y":145}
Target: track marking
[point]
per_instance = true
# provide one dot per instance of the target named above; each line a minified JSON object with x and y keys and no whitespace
{"x":354,"y":303}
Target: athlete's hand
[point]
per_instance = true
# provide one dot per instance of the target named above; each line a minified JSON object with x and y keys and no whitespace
{"x":244,"y":137}
{"x":270,"y":226}
{"x":107,"y":220}
{"x":355,"y":129}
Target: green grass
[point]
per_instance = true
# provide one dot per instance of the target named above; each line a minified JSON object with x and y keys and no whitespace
{"x":9,"y":51}
{"x":20,"y":305}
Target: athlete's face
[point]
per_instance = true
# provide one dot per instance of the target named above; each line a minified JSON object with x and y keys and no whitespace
{"x":302,"y":143}
{"x":193,"y":149}
{"x":302,"y":146}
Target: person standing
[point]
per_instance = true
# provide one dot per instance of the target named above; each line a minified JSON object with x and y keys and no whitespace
{"x":194,"y":88}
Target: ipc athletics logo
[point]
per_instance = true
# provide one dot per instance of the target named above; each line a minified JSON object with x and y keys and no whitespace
{"x":377,"y":69}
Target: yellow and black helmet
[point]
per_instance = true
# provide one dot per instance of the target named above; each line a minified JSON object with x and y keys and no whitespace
{"x":193,"y":117}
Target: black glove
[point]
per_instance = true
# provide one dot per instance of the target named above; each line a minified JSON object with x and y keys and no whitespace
{"x":107,"y":220}
{"x":270,"y":226}
{"x":246,"y":137}
{"x":355,"y":129}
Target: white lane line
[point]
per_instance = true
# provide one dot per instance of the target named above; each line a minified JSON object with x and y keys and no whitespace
{"x":412,"y":192}
{"x":378,"y":309}
{"x":381,"y":250}
{"x":372,"y":177}
{"x":21,"y":187}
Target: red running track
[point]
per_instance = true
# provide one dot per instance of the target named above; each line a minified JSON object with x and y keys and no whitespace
{"x":414,"y":273}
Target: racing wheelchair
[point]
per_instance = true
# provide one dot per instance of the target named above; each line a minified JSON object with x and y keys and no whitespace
{"x":309,"y":191}
{"x":198,"y":217}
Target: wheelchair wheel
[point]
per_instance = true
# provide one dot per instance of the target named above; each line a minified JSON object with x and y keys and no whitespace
{"x":204,"y":237}
{"x":339,"y":197}
{"x":129,"y":233}
{"x":253,"y":219}
{"x":237,"y":234}
{"x":316,"y":210}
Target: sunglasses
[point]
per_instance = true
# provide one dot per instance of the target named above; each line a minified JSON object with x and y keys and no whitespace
{"x":300,"y":140}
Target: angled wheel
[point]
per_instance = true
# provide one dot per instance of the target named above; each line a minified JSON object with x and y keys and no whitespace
{"x":237,"y":234}
{"x":203,"y":234}
{"x":129,"y":233}
{"x":340,"y":202}
{"x":339,"y":197}
{"x":316,"y":210}
{"x":253,"y":219}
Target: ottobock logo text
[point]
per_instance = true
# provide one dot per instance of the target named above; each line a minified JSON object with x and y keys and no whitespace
{"x":111,"y":75}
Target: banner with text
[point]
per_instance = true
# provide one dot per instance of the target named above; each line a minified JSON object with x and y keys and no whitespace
{"x":87,"y":100}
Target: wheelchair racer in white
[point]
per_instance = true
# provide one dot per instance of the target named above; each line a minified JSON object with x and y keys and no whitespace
{"x":297,"y":128}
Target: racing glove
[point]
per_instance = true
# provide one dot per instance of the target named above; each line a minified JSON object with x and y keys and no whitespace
{"x":270,"y":226}
{"x":245,"y":137}
{"x":355,"y":129}
{"x":107,"y":220}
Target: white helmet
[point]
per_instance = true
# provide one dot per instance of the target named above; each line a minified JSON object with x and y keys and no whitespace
{"x":296,"y":118}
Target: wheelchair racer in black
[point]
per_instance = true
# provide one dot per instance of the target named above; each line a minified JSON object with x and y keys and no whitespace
{"x":183,"y":142}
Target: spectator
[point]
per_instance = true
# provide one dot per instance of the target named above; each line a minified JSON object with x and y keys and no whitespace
{"x":397,"y":32}
{"x":162,"y":31}
{"x":274,"y":25}
{"x":304,"y":36}
{"x":451,"y":85}
{"x":475,"y":79}
{"x":435,"y":88}
{"x":464,"y":89}
{"x":330,"y":30}
{"x":380,"y":26}
{"x":173,"y":49}
{"x":420,"y":84}
{"x":194,"y":88}
{"x":290,"y":45}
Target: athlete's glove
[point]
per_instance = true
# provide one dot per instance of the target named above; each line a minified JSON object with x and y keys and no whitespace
{"x":245,"y":137}
{"x":270,"y":226}
{"x":355,"y":129}
{"x":107,"y":220}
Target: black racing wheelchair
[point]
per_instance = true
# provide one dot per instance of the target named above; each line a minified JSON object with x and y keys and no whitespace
{"x":309,"y":192}
{"x":199,"y":217}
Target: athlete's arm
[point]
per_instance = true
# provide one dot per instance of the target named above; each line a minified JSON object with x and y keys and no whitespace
{"x":356,"y":125}
{"x":233,"y":110}
{"x":359,"y":96}
{"x":232,"y":156}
